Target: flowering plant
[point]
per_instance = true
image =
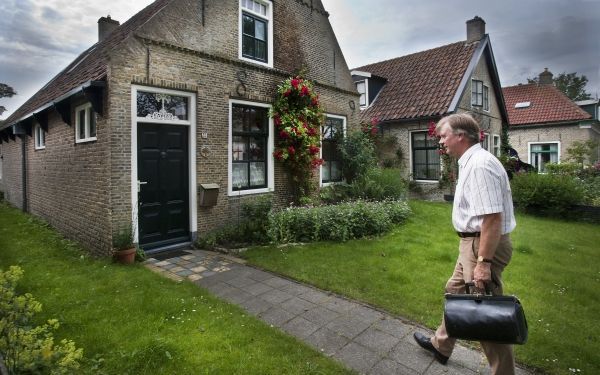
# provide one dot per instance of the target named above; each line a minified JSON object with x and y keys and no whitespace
{"x":370,"y":128}
{"x":298,"y":116}
{"x":448,"y":175}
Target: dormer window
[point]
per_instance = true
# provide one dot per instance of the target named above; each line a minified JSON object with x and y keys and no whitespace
{"x":256,"y":31}
{"x":361,"y":87}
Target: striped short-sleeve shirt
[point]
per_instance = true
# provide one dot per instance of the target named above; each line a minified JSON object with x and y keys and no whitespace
{"x":482,"y":188}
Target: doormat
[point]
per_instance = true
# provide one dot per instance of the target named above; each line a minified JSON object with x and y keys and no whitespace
{"x":169,"y":254}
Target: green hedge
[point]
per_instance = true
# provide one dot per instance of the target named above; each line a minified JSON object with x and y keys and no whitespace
{"x":336,"y":222}
{"x":551,"y":194}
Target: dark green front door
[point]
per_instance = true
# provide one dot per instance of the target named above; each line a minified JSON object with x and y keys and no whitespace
{"x":163,"y":173}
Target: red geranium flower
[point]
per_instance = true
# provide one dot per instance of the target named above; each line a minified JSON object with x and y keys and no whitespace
{"x":291,"y":150}
{"x":312,"y":131}
{"x":313,"y":150}
{"x":283,"y":134}
{"x":278,"y":154}
{"x":287,"y":93}
{"x":294,"y":82}
{"x":277,"y":120}
{"x":304,"y":91}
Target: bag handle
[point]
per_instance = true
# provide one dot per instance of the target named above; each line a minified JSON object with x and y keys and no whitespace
{"x":471,"y":284}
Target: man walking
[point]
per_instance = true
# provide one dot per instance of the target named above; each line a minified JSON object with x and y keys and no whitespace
{"x":483,"y":217}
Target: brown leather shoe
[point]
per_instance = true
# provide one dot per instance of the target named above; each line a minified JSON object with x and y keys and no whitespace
{"x":425,"y":343}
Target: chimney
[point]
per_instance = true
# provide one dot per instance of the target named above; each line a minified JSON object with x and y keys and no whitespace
{"x":106,"y":25}
{"x":546,"y":77}
{"x":475,"y":29}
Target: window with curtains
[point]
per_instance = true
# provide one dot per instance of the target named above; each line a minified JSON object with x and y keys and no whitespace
{"x":332,"y":130}
{"x":250,"y":136}
{"x":542,"y":154}
{"x":425,"y":157}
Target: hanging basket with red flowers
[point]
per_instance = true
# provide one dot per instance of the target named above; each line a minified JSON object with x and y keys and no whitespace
{"x":298,"y":116}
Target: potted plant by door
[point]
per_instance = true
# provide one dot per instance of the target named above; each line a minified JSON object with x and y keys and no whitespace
{"x":124,"y":248}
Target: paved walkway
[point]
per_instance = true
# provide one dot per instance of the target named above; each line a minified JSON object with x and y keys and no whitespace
{"x":361,"y":337}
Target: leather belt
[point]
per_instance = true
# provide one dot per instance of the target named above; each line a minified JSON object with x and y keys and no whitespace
{"x":467,"y":234}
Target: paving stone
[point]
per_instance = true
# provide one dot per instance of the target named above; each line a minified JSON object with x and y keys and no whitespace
{"x":258,"y":275}
{"x":367,"y":314}
{"x":327,"y":341}
{"x":377,"y":341}
{"x":297,"y":306}
{"x":184,"y":273}
{"x":300,"y":327}
{"x":208,"y":273}
{"x":256,"y":306}
{"x":162,"y":263}
{"x":469,"y":358}
{"x":198,"y":269}
{"x":176,"y":269}
{"x":411,"y":356}
{"x":275,"y":296}
{"x":219,"y":289}
{"x":295,"y":289}
{"x":277,"y":282}
{"x":339,"y":305}
{"x":240,"y":282}
{"x":394,"y":327}
{"x":168,"y":266}
{"x":194,"y":277}
{"x":315,"y":296}
{"x":237,"y":296}
{"x":451,"y":368}
{"x":347,"y":326}
{"x":320,"y":315}
{"x":389,"y":367}
{"x":257,"y":288}
{"x":276,"y":316}
{"x":357,"y":357}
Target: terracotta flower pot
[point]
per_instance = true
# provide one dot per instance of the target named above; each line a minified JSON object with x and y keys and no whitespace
{"x":126,"y":256}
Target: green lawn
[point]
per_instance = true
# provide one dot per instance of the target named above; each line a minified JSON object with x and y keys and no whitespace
{"x":129,"y":320}
{"x":555,"y":272}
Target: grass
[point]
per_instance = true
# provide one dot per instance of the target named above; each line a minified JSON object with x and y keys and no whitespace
{"x":554,"y":271}
{"x":129,"y":320}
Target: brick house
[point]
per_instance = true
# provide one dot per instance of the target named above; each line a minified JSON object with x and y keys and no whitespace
{"x":164,"y":109}
{"x":544,"y":122}
{"x":407,"y":93}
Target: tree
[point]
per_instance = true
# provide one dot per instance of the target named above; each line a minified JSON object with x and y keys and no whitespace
{"x":570,"y":84}
{"x":582,"y":150}
{"x":5,"y":92}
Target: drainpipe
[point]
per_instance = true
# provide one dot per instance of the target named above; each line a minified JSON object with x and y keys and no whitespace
{"x":24,"y":170}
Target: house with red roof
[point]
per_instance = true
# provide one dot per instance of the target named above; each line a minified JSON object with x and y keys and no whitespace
{"x":163,"y":125}
{"x":544,"y":122}
{"x":407,"y":93}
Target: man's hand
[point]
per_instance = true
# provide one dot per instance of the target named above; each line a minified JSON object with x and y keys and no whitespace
{"x":482,"y":274}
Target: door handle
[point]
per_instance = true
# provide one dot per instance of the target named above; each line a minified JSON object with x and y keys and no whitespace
{"x":140,"y":183}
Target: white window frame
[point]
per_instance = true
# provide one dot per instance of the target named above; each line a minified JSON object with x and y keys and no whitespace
{"x":191,"y":123}
{"x":497,"y":148}
{"x":366,"y":93}
{"x":344,"y":119}
{"x":529,"y":144}
{"x":486,"y":98}
{"x":269,"y":20}
{"x":485,"y":144}
{"x":270,"y":148}
{"x":88,"y":113}
{"x":1,"y":165}
{"x":39,"y":137}
{"x":474,"y":97}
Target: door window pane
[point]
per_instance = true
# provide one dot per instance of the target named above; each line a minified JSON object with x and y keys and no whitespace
{"x":159,"y":106}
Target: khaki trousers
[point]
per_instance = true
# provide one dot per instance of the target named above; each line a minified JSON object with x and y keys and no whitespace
{"x":500,"y":356}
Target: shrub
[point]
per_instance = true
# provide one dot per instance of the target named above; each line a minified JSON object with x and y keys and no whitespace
{"x":379,"y":184}
{"x":358,"y":155}
{"x":546,"y":193}
{"x":27,"y":349}
{"x":336,"y":222}
{"x":591,"y":190}
{"x":570,"y":169}
{"x":335,"y":193}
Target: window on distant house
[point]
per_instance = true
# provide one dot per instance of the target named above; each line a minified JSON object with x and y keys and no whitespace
{"x":485,"y":142}
{"x":250,"y":148}
{"x":486,"y":98}
{"x":333,"y":129}
{"x":85,"y":124}
{"x":1,"y":159}
{"x":256,"y":31}
{"x":425,"y":157}
{"x":541,"y":154}
{"x":39,"y":137}
{"x":361,"y":87}
{"x":496,"y":145}
{"x":477,"y":94}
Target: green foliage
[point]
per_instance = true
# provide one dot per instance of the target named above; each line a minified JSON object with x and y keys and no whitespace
{"x":581,"y":152}
{"x":251,"y":229}
{"x":570,"y":84}
{"x":389,"y":153}
{"x":123,"y":238}
{"x":357,"y":152}
{"x":6,"y":92}
{"x":550,"y":194}
{"x":379,"y":184}
{"x":591,"y":190}
{"x":336,"y":222}
{"x":25,"y":348}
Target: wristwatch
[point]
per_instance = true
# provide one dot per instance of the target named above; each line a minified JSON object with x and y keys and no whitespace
{"x":482,"y":259}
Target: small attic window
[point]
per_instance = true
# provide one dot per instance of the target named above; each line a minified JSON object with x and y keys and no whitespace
{"x":523,"y":105}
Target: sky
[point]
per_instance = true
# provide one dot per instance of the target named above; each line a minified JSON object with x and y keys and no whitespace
{"x":38,"y":38}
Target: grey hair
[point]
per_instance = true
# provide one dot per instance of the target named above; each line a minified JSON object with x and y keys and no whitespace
{"x":461,"y":123}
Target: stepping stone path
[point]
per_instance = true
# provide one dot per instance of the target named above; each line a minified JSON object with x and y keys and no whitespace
{"x":364,"y":339}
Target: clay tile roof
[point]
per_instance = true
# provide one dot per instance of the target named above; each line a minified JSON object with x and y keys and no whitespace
{"x":422,"y":84}
{"x":547,"y":105}
{"x":91,"y":65}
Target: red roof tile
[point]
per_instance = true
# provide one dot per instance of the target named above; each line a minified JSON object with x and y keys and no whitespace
{"x":422,"y":84}
{"x":547,"y":105}
{"x":89,"y":66}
